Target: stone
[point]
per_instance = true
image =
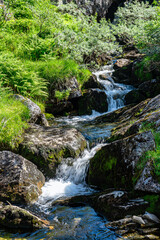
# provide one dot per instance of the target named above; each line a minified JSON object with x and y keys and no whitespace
{"x":13,"y":217}
{"x":73,"y":86}
{"x":20,"y":180}
{"x":92,"y":82}
{"x":151,"y":217}
{"x":134,"y":96}
{"x":48,"y":146}
{"x":114,"y":164}
{"x":150,"y":88}
{"x":36,"y":115}
{"x":92,"y":100}
{"x":146,"y":182}
{"x":59,"y":108}
{"x":134,"y":227}
{"x":138,"y":220}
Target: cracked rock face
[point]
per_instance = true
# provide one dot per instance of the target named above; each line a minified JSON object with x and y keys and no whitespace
{"x":48,"y":146}
{"x":20,"y":180}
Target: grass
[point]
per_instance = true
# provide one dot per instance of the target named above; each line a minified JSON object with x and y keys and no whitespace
{"x":13,"y":121}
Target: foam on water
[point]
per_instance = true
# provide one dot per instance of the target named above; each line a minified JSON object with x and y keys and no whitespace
{"x":70,"y":179}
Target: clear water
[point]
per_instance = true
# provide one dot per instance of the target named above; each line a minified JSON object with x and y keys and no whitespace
{"x":78,"y":222}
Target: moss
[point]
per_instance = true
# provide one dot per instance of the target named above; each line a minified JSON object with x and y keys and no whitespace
{"x":110,"y":163}
{"x":154,"y":201}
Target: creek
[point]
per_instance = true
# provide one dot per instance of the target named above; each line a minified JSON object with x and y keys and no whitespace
{"x":77,"y":222}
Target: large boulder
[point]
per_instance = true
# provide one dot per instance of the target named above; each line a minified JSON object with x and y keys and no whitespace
{"x":20,"y":180}
{"x":13,"y":217}
{"x":114,"y":165}
{"x":48,"y":146}
{"x":36,"y":115}
{"x":150,"y":88}
{"x":134,"y":96}
{"x":92,"y":100}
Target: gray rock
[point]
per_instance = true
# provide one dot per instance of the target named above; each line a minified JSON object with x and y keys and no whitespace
{"x":114,"y":164}
{"x":92,"y":82}
{"x":14,"y":217}
{"x":151,"y":217}
{"x":20,"y":180}
{"x":138,"y":220}
{"x":146,"y":181}
{"x":73,"y":86}
{"x":48,"y":146}
{"x":36,"y":116}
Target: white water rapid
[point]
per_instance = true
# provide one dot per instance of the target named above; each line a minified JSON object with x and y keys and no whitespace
{"x":70,"y":179}
{"x":71,"y":174}
{"x":115,"y":91}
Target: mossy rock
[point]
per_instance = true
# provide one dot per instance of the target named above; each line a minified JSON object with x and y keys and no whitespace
{"x":48,"y":146}
{"x":114,"y":164}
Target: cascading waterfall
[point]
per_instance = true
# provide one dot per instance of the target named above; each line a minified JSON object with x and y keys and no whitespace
{"x":71,"y":173}
{"x":70,"y":178}
{"x":115,"y":91}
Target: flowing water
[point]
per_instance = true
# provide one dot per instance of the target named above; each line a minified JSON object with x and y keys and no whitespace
{"x":78,"y":222}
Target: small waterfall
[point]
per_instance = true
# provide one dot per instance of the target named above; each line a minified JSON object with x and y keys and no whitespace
{"x":71,"y":173}
{"x":76,"y":170}
{"x":70,"y":179}
{"x":115,"y":91}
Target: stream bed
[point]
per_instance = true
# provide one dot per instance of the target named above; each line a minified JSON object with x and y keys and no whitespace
{"x":77,"y":222}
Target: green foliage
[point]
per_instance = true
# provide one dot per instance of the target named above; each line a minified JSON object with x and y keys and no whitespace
{"x":14,"y":74}
{"x":154,"y":201}
{"x":62,"y":95}
{"x":13,"y":118}
{"x":139,"y":23}
{"x":58,"y":72}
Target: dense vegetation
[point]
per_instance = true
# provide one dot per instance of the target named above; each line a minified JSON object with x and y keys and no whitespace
{"x":42,"y":45}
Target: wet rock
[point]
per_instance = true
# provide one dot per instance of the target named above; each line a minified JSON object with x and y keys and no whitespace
{"x":116,"y":205}
{"x":20,"y":180}
{"x":135,"y":227}
{"x":123,"y":71}
{"x":92,"y":82}
{"x":114,"y":164}
{"x":14,"y":217}
{"x":36,"y":115}
{"x":150,"y":88}
{"x":103,"y":77}
{"x":146,"y":182}
{"x":59,"y":108}
{"x":92,"y":100}
{"x":134,"y":96}
{"x":48,"y":146}
{"x":130,"y":120}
